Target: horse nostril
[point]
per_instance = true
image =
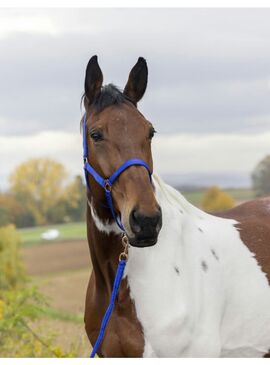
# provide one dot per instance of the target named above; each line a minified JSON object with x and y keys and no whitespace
{"x":159,"y":218}
{"x":147,"y":225}
{"x":134,"y":221}
{"x":134,"y":214}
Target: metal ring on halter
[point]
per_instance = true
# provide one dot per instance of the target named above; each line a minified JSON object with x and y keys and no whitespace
{"x":107,"y":186}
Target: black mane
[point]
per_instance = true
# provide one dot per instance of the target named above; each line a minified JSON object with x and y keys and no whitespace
{"x":109,"y":95}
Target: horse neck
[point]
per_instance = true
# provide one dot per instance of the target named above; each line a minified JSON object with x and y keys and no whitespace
{"x":180,"y":232}
{"x":189,"y":242}
{"x":104,"y":239}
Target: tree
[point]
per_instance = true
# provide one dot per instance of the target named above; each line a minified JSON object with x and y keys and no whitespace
{"x":261,"y":177}
{"x":75,"y":196}
{"x":38,"y":184}
{"x":12,"y":211}
{"x":215,"y":200}
{"x":72,"y":204}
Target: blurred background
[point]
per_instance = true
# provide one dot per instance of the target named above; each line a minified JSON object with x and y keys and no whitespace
{"x":208,"y":98}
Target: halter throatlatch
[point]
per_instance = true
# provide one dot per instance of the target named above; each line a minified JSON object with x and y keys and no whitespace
{"x":107,"y":184}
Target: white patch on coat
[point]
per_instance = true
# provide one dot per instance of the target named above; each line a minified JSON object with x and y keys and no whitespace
{"x":223,"y":311}
{"x":104,"y":227}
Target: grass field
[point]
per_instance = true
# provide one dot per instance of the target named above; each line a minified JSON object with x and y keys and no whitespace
{"x":68,"y":231}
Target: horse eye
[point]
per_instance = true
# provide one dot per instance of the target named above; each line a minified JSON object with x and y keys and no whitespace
{"x":96,"y":136}
{"x":152,"y":133}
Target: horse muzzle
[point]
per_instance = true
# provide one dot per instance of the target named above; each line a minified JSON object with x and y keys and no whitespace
{"x":145,"y":228}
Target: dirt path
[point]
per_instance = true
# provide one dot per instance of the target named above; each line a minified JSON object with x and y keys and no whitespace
{"x":56,"y":257}
{"x":66,"y":290}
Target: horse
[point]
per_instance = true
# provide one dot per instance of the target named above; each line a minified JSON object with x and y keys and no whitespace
{"x":195,"y":284}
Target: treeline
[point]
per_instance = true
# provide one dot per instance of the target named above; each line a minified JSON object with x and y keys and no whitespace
{"x":40,"y":192}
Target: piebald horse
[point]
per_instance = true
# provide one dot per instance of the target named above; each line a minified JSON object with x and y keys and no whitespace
{"x":195,"y":285}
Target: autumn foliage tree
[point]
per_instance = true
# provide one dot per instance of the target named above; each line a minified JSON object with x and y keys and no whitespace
{"x":71,"y":205}
{"x":41,"y":192}
{"x":38,"y":184}
{"x":215,"y":200}
{"x":13,"y":211}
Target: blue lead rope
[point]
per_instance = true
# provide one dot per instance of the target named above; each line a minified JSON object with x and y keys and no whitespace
{"x":107,"y":315}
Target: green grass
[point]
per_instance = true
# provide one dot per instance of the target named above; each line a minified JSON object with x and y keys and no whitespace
{"x":68,"y":231}
{"x":239,"y":195}
{"x":194,"y":197}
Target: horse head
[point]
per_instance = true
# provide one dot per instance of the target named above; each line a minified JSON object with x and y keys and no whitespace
{"x":116,"y":132}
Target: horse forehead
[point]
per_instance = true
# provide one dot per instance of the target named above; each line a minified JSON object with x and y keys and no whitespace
{"x":123,"y":117}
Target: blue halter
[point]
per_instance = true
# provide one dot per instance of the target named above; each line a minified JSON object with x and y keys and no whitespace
{"x":106,"y":184}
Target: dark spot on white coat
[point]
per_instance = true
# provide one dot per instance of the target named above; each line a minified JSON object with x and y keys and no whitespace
{"x":214,"y":254}
{"x":204,"y":266}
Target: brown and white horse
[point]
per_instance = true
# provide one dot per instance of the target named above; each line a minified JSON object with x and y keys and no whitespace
{"x":195,"y":285}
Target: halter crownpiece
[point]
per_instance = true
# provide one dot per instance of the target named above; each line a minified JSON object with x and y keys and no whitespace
{"x":107,"y":183}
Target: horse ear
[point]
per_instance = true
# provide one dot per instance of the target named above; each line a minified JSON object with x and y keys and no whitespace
{"x":137,"y":81}
{"x":93,"y":79}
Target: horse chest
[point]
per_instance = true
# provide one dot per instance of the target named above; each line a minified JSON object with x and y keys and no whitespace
{"x":170,"y":287}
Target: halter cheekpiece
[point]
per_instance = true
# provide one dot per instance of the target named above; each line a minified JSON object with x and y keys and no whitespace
{"x":107,"y":183}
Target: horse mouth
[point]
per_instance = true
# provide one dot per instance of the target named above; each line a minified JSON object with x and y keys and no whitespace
{"x":148,"y":242}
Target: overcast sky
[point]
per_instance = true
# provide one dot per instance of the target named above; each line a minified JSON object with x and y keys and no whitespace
{"x":208,"y":94}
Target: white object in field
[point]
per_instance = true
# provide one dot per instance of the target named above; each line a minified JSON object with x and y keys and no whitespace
{"x":50,"y":234}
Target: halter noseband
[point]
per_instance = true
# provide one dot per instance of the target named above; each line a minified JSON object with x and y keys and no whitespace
{"x":106,"y":184}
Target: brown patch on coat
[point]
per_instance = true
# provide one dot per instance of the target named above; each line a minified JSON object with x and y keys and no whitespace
{"x":254,"y":229}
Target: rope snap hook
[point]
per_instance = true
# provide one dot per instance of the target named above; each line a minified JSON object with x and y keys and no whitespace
{"x":124,"y":255}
